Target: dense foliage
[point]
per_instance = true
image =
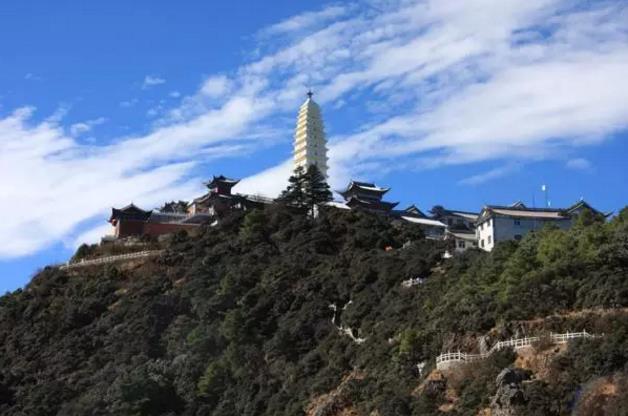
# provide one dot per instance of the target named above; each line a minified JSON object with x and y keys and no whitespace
{"x":175,"y":207}
{"x":307,"y":188}
{"x":237,"y":321}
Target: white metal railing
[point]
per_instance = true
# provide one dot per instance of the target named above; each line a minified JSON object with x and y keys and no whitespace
{"x":517,"y":343}
{"x":110,"y":259}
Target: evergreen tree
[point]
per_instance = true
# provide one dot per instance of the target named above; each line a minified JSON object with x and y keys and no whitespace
{"x":316,"y":188}
{"x":294,"y":194}
{"x":176,"y":207}
{"x":306,"y":189}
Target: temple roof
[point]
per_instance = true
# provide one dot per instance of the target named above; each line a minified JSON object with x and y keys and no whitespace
{"x":440,"y":211}
{"x":413,"y":209}
{"x":222,"y":180}
{"x":519,"y":210}
{"x":130,"y":211}
{"x":507,"y":211}
{"x":211,"y":196}
{"x":584,"y":204}
{"x":363,"y":186}
{"x":370,"y":204}
{"x":462,"y":235}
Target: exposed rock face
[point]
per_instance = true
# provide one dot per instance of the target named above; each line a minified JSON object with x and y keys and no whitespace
{"x":435,"y":387}
{"x":509,"y":392}
{"x":336,"y":402}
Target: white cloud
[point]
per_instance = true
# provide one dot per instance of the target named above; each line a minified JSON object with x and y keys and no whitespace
{"x":151,"y":81}
{"x":69,"y":183}
{"x":129,"y":103}
{"x":478,"y":81}
{"x":465,"y":82}
{"x":305,"y":20}
{"x":579,"y":164}
{"x":32,"y":77}
{"x":490,"y":175}
{"x":83,"y":127}
{"x":269,"y":182}
{"x":91,"y":236}
{"x":216,"y":86}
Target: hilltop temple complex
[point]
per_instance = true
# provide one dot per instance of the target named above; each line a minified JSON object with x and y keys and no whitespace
{"x":464,"y":229}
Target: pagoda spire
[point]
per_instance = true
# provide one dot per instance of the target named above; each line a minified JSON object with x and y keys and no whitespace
{"x":310,"y":145}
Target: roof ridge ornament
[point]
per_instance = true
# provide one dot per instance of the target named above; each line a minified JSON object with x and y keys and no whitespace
{"x":309,"y":93}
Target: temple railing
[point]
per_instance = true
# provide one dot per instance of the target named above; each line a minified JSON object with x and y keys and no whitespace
{"x":445,"y":360}
{"x":110,"y":259}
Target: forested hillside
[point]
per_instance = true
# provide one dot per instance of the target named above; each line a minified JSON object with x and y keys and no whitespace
{"x":238,"y":321}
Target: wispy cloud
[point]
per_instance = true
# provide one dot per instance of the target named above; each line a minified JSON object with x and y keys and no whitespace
{"x":73,"y":183}
{"x":479,"y":82}
{"x":32,"y":77}
{"x":490,"y":174}
{"x":305,"y":20}
{"x":151,"y":81}
{"x":465,"y":82}
{"x":216,"y":86}
{"x":129,"y":103}
{"x":579,"y":164}
{"x":77,"y":129}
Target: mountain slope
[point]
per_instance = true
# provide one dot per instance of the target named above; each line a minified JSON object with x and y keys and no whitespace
{"x":238,"y":321}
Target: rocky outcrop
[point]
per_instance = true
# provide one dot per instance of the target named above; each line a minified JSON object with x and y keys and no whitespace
{"x":336,"y":402}
{"x":510,"y":393}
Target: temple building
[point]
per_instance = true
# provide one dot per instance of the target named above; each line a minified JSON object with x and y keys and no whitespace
{"x":499,"y":223}
{"x":431,"y":227}
{"x":206,"y":209}
{"x":461,"y":240}
{"x":133,"y":221}
{"x":366,"y":195}
{"x":128,"y":220}
{"x":310,"y":145}
{"x":218,"y":200}
{"x":455,"y":219}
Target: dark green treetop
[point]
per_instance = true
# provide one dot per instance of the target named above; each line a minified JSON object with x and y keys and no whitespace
{"x":306,"y":189}
{"x":316,"y":188}
{"x":176,"y":207}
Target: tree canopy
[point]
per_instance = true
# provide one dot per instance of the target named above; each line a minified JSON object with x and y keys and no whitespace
{"x":175,"y":207}
{"x":306,"y":189}
{"x":237,"y":321}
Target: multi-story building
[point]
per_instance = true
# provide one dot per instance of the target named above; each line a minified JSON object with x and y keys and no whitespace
{"x":500,"y":223}
{"x":310,"y":145}
{"x":455,"y":219}
{"x":461,"y":240}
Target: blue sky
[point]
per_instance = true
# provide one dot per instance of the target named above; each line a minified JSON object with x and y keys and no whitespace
{"x":447,"y":102}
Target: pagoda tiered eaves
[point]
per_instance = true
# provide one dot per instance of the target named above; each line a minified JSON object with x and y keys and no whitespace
{"x":310,"y":145}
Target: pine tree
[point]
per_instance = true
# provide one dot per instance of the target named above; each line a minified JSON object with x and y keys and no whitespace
{"x":316,"y":189}
{"x":294,"y":194}
{"x":177,"y":207}
{"x":306,"y":189}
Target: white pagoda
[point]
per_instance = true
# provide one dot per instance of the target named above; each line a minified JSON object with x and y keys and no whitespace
{"x":310,"y":146}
